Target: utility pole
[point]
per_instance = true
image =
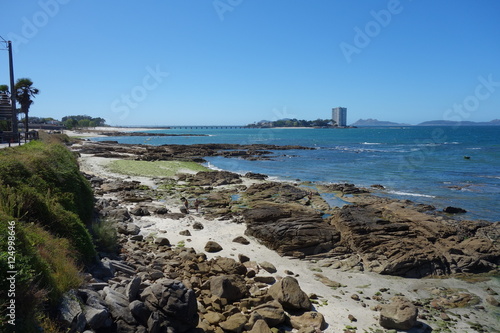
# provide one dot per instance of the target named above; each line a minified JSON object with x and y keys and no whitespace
{"x":15,"y":130}
{"x":12,"y":91}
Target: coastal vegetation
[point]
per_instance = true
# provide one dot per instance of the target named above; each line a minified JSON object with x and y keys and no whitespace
{"x":71,"y":122}
{"x":48,"y":204}
{"x":293,"y":123}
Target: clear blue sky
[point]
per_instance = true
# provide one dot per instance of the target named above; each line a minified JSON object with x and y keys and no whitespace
{"x":176,"y":62}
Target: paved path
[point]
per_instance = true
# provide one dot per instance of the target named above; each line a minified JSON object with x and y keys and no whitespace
{"x":5,"y":145}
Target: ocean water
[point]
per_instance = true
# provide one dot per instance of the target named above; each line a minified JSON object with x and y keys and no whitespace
{"x":422,"y":164}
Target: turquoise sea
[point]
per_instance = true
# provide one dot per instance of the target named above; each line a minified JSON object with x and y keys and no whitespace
{"x":423,"y":164}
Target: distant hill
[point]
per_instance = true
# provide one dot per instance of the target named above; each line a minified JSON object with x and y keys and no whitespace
{"x":495,"y":122}
{"x":375,"y":122}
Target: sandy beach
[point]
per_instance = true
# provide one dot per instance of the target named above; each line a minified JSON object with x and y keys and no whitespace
{"x":352,"y":307}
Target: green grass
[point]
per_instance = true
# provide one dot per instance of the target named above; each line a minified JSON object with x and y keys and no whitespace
{"x":155,"y":168}
{"x":44,"y":194}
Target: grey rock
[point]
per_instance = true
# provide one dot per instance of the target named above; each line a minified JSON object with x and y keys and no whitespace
{"x":264,"y":279}
{"x":140,"y":312}
{"x":287,"y":291}
{"x":234,"y":323}
{"x":212,"y":246}
{"x":172,"y":305}
{"x":399,"y":314}
{"x":140,"y":211}
{"x":230,"y":287}
{"x":198,"y":226}
{"x":241,"y":240}
{"x":271,"y":312}
{"x":227,"y":266}
{"x":160,"y":241}
{"x":137,"y":238}
{"x":454,"y":210}
{"x":308,"y":319}
{"x":243,"y":258}
{"x":162,"y":211}
{"x":122,"y":267}
{"x":267,"y":266}
{"x":132,"y":289}
{"x":128,"y":228}
{"x":123,"y":327}
{"x":260,"y":326}
{"x":96,"y":318}
{"x":118,"y":305}
{"x":69,"y":309}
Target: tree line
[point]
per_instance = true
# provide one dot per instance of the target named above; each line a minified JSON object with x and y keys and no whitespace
{"x":71,"y":122}
{"x":25,"y":92}
{"x":293,"y":123}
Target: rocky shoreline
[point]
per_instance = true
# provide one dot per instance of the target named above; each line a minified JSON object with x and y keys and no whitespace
{"x":248,"y":254}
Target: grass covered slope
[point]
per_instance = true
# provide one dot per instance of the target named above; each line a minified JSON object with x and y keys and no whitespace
{"x":49,"y":203}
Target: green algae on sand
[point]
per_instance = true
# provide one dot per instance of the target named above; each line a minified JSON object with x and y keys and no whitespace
{"x":154,"y":168}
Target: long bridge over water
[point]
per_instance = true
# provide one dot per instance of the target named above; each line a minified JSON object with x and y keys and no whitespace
{"x":204,"y":127}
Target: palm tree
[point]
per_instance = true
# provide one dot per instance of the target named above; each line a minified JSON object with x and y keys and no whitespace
{"x":24,"y":92}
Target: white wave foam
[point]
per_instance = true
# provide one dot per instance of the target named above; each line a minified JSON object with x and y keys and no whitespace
{"x":411,"y":194}
{"x":213,"y":167}
{"x":371,"y":143}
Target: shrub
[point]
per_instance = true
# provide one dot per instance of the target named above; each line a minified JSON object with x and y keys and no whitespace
{"x":105,"y":235}
{"x":42,"y":190}
{"x":46,"y":187}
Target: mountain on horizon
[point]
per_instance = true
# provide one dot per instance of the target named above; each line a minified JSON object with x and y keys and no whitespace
{"x":376,"y":122}
{"x":495,"y":122}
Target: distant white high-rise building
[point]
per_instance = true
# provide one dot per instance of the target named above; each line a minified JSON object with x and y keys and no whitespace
{"x":339,"y":116}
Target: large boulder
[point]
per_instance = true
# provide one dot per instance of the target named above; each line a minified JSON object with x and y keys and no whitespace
{"x":213,"y":246}
{"x":70,"y":312}
{"x":173,"y":306}
{"x":287,"y":291}
{"x":118,"y":305}
{"x":399,"y":314}
{"x":288,"y":228}
{"x":214,"y":178}
{"x":309,"y":319}
{"x":96,"y":318}
{"x":230,"y":287}
{"x":275,"y":191}
{"x":272,"y":313}
{"x":392,"y":237}
{"x":234,"y":323}
{"x":227,"y":266}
